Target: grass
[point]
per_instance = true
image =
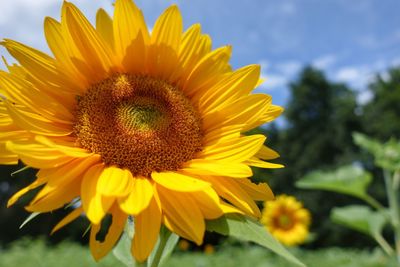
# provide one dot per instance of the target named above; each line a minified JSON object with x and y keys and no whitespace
{"x":28,"y":253}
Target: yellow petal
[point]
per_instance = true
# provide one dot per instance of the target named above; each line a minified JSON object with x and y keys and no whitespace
{"x":234,"y":150}
{"x":57,"y":43}
{"x":10,"y":159}
{"x":209,"y":203}
{"x":246,"y":110}
{"x":255,"y":162}
{"x":175,"y":228}
{"x":192,"y":48}
{"x":22,"y":92}
{"x":101,"y":249}
{"x":35,"y":123}
{"x":183,"y":214}
{"x":222,"y":134}
{"x":135,"y":56}
{"x":67,"y":219}
{"x":227,"y":208}
{"x":238,"y":84}
{"x":165,"y":41}
{"x":168,"y":28}
{"x":128,"y":25}
{"x":55,"y":199}
{"x":179,"y":182}
{"x":228,"y":189}
{"x":139,"y":198}
{"x":93,"y":203}
{"x":38,"y":64}
{"x":267,"y":153}
{"x":147,"y":228}
{"x":68,"y":173}
{"x":259,"y":191}
{"x":208,"y":70}
{"x":37,"y":155}
{"x":38,"y":182}
{"x":67,"y":148}
{"x":271,"y":114}
{"x":212,"y":167}
{"x":114,"y":181}
{"x":104,"y":26}
{"x":44,"y":153}
{"x":85,"y":42}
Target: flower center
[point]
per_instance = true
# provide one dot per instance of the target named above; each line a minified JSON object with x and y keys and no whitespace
{"x":284,"y":221}
{"x":138,"y":122}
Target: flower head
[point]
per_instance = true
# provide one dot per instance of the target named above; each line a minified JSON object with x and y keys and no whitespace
{"x":133,"y":123}
{"x":286,"y":219}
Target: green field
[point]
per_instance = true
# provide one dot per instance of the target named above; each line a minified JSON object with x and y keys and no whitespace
{"x":36,"y":254}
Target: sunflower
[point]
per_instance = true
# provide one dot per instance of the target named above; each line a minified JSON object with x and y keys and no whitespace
{"x":286,"y":219}
{"x":124,"y":122}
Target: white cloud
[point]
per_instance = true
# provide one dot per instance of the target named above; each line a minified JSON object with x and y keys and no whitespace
{"x":273,"y":81}
{"x":289,"y":68}
{"x":277,"y":76}
{"x":348,"y":74}
{"x":364,"y":96}
{"x":324,"y":62}
{"x":395,"y":62}
{"x":357,"y":77}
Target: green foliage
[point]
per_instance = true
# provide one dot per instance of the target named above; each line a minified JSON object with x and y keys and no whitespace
{"x":381,"y":115}
{"x":320,"y":118}
{"x":26,"y":253}
{"x":122,"y":251}
{"x":387,"y":155}
{"x":354,"y":181}
{"x":161,"y":252}
{"x":360,"y":218}
{"x":168,"y":241}
{"x":350,"y":180}
{"x":247,"y":229}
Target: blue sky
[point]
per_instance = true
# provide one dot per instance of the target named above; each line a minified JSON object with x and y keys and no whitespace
{"x":349,"y":40}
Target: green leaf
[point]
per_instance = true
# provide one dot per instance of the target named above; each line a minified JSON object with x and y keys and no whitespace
{"x":122,"y":251}
{"x":360,"y":218}
{"x":368,"y":144}
{"x":350,"y":180}
{"x":387,"y":155}
{"x":162,"y":250}
{"x":168,"y":242}
{"x":30,"y":218}
{"x":248,"y":229}
{"x":389,"y":158}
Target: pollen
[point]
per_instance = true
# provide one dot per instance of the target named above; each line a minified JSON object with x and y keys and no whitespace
{"x":139,"y":123}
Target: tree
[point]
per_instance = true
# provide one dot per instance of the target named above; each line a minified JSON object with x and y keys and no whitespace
{"x":381,"y":115}
{"x":320,"y":118}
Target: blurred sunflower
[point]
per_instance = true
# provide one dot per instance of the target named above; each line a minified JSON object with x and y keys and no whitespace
{"x":209,"y":249}
{"x":286,"y":219}
{"x":183,"y":245}
{"x":134,"y":124}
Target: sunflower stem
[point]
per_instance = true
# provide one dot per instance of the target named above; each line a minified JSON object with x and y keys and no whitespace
{"x":159,"y":252}
{"x":391,"y":189}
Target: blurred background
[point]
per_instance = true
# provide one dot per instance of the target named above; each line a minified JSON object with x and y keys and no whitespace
{"x":333,"y":65}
